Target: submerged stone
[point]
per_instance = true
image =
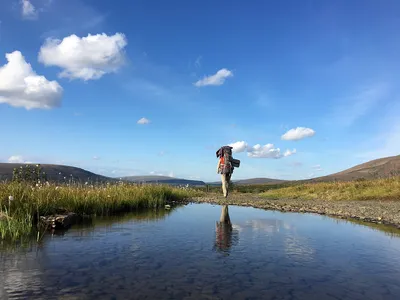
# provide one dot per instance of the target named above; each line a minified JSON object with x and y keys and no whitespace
{"x":59,"y":221}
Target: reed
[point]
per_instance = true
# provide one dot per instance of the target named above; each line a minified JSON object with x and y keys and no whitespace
{"x":18,"y":213}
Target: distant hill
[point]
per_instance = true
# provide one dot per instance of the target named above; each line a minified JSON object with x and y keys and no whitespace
{"x":259,"y":181}
{"x":252,"y":181}
{"x":56,"y":173}
{"x":163,"y":180}
{"x":378,"y":168}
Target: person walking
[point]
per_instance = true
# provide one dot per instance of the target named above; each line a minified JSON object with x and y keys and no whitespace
{"x":225,"y":167}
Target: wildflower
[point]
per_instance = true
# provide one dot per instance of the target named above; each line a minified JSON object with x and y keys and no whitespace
{"x":10,"y":198}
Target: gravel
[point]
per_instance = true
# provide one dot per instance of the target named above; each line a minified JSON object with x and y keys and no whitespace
{"x":380,"y":212}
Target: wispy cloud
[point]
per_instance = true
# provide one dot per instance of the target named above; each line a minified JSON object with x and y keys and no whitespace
{"x":162,"y":173}
{"x":94,"y":22}
{"x":317,"y":168}
{"x":216,"y":79}
{"x":162,"y":153}
{"x":143,"y":121}
{"x":263,"y":101}
{"x":354,"y":107}
{"x":73,"y":17}
{"x":386,"y":142}
{"x":296,"y":164}
{"x":28,"y":11}
{"x":114,"y":171}
{"x":149,"y":88}
{"x":197,"y":63}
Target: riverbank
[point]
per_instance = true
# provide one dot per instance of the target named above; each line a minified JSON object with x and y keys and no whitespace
{"x":23,"y":205}
{"x":375,"y":211}
{"x":373,"y":189}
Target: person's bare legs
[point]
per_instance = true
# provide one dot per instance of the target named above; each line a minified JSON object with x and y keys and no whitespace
{"x":224,"y":218}
{"x":225,"y":178}
{"x":223,"y":181}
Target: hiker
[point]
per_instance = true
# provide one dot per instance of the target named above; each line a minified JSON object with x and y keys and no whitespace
{"x":225,"y":167}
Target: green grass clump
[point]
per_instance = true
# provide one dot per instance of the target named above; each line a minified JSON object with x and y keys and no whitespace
{"x":375,"y":189}
{"x":17,"y":217}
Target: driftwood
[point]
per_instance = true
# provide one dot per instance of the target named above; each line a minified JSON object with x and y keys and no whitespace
{"x":59,"y":221}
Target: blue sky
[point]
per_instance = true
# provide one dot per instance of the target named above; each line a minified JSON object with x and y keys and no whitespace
{"x":300,"y":88}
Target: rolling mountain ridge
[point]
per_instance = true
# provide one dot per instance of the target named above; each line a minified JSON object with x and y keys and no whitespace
{"x":378,"y":168}
{"x":163,"y":180}
{"x":58,"y":173}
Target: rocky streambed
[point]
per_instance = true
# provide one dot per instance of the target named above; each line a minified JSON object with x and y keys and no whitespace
{"x":381,"y":212}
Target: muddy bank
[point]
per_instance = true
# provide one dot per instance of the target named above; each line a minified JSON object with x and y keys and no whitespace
{"x":381,"y":212}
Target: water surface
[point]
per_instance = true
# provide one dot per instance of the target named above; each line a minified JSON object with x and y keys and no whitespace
{"x":185,"y":254}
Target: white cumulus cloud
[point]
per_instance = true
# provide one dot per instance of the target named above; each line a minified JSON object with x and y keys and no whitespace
{"x":216,"y":79}
{"x":268,"y":151}
{"x":20,"y":86}
{"x":239,"y":146}
{"x":28,"y":10}
{"x":85,"y":58}
{"x":298,"y":133}
{"x":143,"y":121}
{"x":259,"y":151}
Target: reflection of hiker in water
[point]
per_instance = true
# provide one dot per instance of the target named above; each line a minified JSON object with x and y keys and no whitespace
{"x":225,"y":236}
{"x":225,"y":167}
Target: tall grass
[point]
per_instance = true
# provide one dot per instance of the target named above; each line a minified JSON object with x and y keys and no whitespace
{"x":17,"y":217}
{"x":375,"y":189}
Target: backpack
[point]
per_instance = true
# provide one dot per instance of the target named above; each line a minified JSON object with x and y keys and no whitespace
{"x":225,"y":156}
